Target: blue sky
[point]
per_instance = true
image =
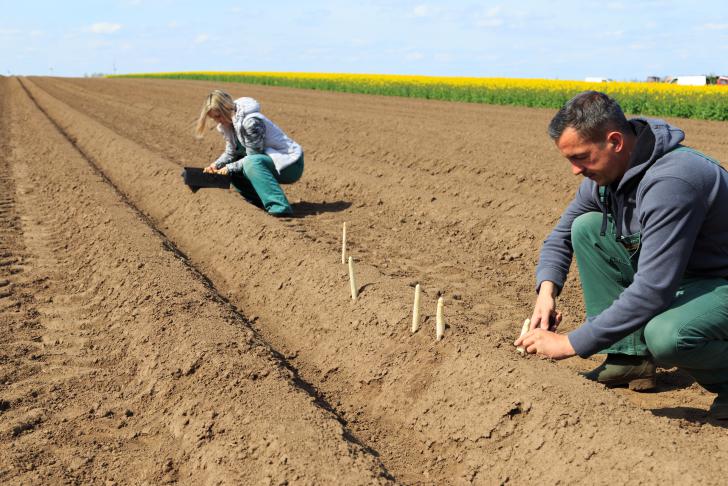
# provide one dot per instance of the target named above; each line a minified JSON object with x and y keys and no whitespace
{"x":536,"y":39}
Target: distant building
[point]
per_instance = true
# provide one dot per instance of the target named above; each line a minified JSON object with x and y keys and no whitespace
{"x":722,"y":80}
{"x":653,"y":79}
{"x":592,"y":79}
{"x":691,"y":80}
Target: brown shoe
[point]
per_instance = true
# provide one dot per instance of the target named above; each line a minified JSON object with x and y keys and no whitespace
{"x":636,"y":372}
{"x":719,"y":408}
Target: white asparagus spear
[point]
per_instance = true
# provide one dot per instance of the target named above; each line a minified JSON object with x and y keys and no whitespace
{"x":416,"y":309}
{"x":352,"y":279}
{"x":524,"y":330}
{"x":440,"y":320}
{"x":343,"y":244}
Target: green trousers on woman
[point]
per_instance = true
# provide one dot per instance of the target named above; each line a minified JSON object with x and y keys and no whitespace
{"x":260,"y":183}
{"x":692,"y":333}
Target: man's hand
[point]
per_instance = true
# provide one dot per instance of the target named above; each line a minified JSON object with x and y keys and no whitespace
{"x":546,"y":343}
{"x":544,"y":312}
{"x":223,"y":171}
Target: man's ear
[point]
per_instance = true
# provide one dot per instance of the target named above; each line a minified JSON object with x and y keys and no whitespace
{"x":616,"y":140}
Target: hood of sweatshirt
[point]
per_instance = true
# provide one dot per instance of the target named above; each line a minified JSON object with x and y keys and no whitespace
{"x":655,"y":138}
{"x":666,"y":138}
{"x":244,"y":107}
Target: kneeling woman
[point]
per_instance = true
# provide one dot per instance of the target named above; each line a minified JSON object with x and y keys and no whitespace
{"x":258,"y":155}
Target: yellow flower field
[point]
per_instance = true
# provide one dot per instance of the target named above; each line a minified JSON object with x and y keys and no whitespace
{"x":657,"y":99}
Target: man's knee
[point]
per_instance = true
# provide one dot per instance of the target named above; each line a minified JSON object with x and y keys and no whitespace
{"x":586,"y":227}
{"x":661,"y":337}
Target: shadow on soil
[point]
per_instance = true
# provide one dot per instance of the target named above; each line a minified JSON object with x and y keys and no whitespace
{"x":689,"y":414}
{"x":304,"y":208}
{"x":673,"y":379}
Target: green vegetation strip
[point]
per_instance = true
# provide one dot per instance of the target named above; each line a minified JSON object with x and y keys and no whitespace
{"x":652,"y":99}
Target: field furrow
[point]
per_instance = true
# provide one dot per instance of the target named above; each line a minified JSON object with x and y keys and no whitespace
{"x":455,"y":197}
{"x":141,"y":372}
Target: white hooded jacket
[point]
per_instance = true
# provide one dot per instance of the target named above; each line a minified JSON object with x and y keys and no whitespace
{"x":253,"y":133}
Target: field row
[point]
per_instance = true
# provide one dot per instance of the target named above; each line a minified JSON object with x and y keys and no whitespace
{"x":462,"y":221}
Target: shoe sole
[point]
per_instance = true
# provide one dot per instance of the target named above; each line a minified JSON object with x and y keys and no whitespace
{"x":718,"y":413}
{"x":638,"y":384}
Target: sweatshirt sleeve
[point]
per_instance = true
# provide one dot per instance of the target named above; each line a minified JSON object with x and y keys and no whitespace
{"x":672,"y":212}
{"x":557,"y":250}
{"x":253,"y":135}
{"x":229,"y":155}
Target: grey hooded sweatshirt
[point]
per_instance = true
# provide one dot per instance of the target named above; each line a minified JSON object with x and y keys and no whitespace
{"x":253,"y":133}
{"x":677,"y":199}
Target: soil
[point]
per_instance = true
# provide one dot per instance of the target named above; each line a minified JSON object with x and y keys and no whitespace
{"x":154,"y":335}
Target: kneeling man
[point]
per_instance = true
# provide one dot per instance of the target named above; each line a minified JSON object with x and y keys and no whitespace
{"x":649,"y":229}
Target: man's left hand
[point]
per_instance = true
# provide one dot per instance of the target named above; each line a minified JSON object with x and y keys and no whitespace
{"x":546,"y":343}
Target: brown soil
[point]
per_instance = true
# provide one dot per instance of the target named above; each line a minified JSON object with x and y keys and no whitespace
{"x":151,"y":334}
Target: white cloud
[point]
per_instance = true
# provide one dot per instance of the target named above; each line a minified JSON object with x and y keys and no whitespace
{"x":639,"y":46}
{"x":100,"y":43}
{"x":201,"y":38}
{"x":489,"y":22}
{"x":415,"y":56}
{"x":424,"y":10}
{"x":9,"y":32}
{"x":104,"y":28}
{"x":493,"y":11}
{"x":715,"y":26}
{"x":490,"y":18}
{"x":615,"y":34}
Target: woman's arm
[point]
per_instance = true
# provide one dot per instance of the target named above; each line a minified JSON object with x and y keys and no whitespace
{"x":229,"y":155}
{"x":253,"y":135}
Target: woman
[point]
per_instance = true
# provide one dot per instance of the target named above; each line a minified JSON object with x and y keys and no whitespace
{"x":258,"y":155}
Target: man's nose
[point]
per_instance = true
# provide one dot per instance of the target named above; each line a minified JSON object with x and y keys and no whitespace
{"x":575,"y":169}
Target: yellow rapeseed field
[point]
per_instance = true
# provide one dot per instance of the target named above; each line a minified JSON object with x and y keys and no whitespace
{"x":659,"y":99}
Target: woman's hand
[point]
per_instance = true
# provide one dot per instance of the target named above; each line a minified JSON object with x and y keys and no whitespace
{"x":544,"y":314}
{"x":212,"y":170}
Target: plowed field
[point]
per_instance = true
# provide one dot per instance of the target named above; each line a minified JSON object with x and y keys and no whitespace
{"x":149,"y":334}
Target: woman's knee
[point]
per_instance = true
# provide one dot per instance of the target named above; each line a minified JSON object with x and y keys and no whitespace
{"x":252,"y":164}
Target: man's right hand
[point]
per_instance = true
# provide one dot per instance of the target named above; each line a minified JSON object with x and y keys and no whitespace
{"x":544,"y":314}
{"x":210,"y":169}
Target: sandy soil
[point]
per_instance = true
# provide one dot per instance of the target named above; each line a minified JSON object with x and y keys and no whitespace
{"x":158,"y":335}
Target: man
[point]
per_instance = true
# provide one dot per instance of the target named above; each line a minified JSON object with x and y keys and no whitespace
{"x":649,"y":229}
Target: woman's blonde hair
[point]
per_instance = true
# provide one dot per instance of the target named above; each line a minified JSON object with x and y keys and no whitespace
{"x":217,"y":100}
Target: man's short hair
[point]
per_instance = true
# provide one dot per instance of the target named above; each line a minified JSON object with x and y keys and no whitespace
{"x":591,"y":114}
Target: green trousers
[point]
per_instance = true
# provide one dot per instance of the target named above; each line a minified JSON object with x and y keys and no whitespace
{"x":691,"y":334}
{"x":260,"y":183}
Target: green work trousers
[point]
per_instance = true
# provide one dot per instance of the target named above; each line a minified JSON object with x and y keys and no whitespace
{"x":260,"y":183}
{"x":692,"y":333}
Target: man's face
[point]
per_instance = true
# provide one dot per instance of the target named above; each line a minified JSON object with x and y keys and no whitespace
{"x":603,"y":161}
